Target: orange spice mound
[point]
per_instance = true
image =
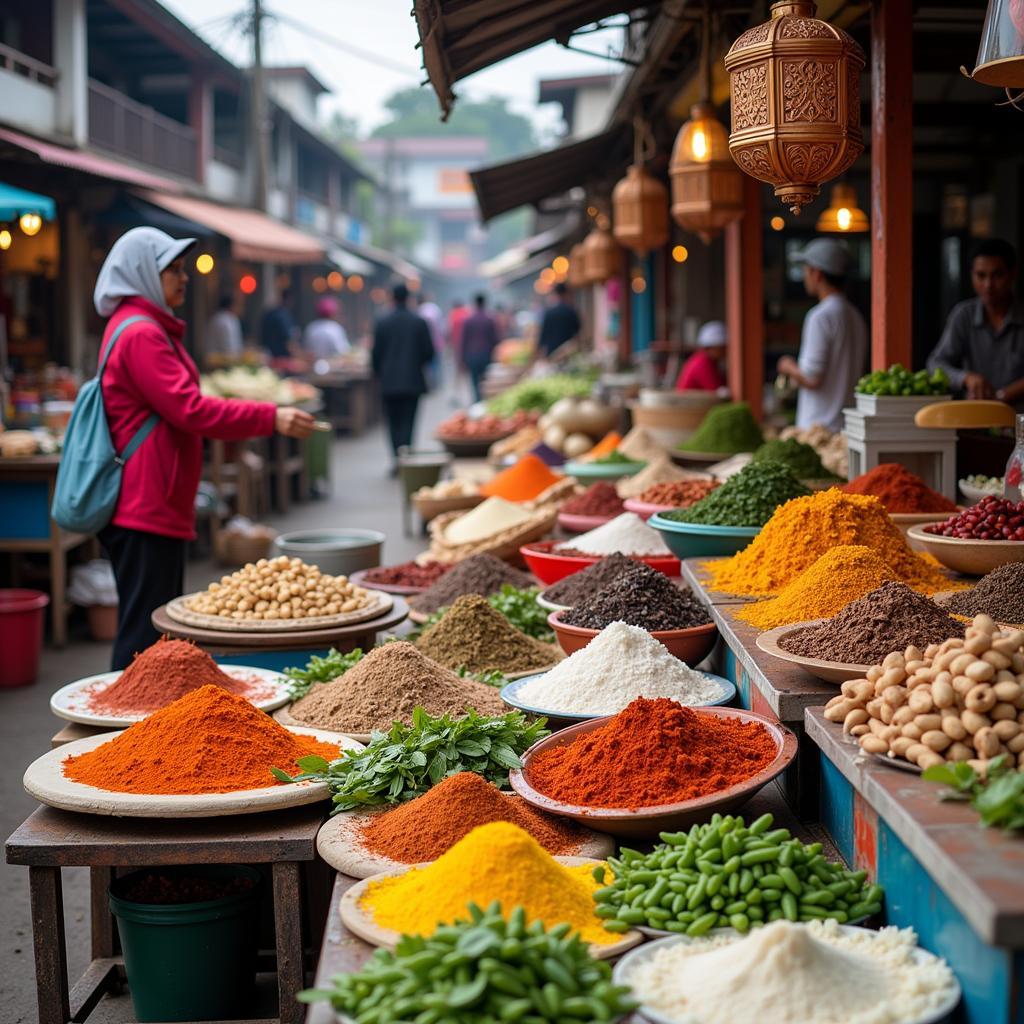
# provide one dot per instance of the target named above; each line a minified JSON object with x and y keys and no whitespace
{"x":209,"y":741}
{"x":803,"y":529}
{"x":522,"y":481}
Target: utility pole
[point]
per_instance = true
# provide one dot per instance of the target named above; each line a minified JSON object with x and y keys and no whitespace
{"x":259,"y":125}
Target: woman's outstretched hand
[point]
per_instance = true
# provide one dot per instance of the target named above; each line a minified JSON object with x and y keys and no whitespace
{"x":294,"y":422}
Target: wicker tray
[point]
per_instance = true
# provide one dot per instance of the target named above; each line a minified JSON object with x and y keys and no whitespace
{"x":431,"y":508}
{"x":177,"y":611}
{"x":504,"y":545}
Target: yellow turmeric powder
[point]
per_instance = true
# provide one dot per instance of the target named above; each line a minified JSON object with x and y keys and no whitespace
{"x":497,"y":861}
{"x":843,"y":574}
{"x":803,"y":529}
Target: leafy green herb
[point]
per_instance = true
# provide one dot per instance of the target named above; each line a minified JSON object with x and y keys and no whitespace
{"x":492,"y":677}
{"x":406,"y":761}
{"x":319,"y":670}
{"x":998,"y":797}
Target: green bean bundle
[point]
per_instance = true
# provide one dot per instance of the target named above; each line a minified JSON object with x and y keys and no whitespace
{"x":729,"y":875}
{"x":481,"y":971}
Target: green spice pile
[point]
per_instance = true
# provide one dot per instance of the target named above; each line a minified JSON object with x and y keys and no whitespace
{"x":406,"y":761}
{"x":474,"y":636}
{"x":801,"y":458}
{"x":749,"y":498}
{"x":726,"y":874}
{"x":480,"y":971}
{"x":614,"y":458}
{"x":726,"y":429}
{"x":518,"y":605}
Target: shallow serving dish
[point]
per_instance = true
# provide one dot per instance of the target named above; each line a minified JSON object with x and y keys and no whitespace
{"x":975,"y":494}
{"x":549,"y":566}
{"x":649,"y":821}
{"x":581,"y":524}
{"x":550,"y":606}
{"x":359,"y":579}
{"x":905,"y":520}
{"x":691,"y":645}
{"x":970,"y":557}
{"x":592,"y":471}
{"x":699,"y":540}
{"x":829,"y":671}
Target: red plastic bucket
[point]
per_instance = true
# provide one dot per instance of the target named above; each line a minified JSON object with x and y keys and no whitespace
{"x":22,"y":615}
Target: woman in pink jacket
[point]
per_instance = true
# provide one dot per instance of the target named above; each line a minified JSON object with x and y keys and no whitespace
{"x":149,"y":371}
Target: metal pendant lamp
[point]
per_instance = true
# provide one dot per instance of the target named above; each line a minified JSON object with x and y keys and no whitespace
{"x":1001,"y":53}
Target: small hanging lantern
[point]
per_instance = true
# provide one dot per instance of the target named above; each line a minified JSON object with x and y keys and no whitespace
{"x":640,"y":203}
{"x":795,"y":88}
{"x":843,"y":215}
{"x":1001,"y":53}
{"x":602,"y":257}
{"x":707,"y":187}
{"x":577,"y":271}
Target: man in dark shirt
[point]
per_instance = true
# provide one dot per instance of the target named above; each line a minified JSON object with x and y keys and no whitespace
{"x":982,"y":347}
{"x":479,"y":340}
{"x":561,"y":322}
{"x":402,"y":348}
{"x":278,"y":332}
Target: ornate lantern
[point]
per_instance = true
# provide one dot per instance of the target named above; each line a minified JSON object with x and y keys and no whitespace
{"x":602,"y":257}
{"x":1001,"y":53}
{"x":795,"y":87}
{"x":640,"y":203}
{"x":577,"y":271}
{"x":843,"y":214}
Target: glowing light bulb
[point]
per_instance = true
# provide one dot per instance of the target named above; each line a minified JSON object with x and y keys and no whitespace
{"x":335,"y":281}
{"x":5,"y":239}
{"x":355,"y":283}
{"x":699,"y":144}
{"x":204,"y":263}
{"x":639,"y":285}
{"x":560,"y":265}
{"x":247,"y":284}
{"x":843,"y":219}
{"x":680,"y":253}
{"x":777,"y":223}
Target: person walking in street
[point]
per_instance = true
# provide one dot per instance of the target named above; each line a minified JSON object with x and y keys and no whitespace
{"x":325,"y":337}
{"x":279,"y":332}
{"x":834,"y":343}
{"x":561,"y":322}
{"x":479,"y":340}
{"x":402,"y":349}
{"x":224,"y":341}
{"x":981,"y":349}
{"x":149,"y":373}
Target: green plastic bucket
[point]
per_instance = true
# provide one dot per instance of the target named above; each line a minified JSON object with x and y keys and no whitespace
{"x":190,"y":961}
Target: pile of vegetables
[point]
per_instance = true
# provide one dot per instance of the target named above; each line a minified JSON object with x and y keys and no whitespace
{"x":538,"y":395}
{"x":572,"y":426}
{"x":898,"y":380}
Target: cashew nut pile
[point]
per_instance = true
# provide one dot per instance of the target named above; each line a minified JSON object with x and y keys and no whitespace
{"x":962,"y":700}
{"x":280,"y":588}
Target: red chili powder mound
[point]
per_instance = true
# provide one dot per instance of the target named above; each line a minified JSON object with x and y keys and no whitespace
{"x":428,"y":826}
{"x":209,"y":741}
{"x":899,"y":490}
{"x":163,"y":673}
{"x":653,"y":752}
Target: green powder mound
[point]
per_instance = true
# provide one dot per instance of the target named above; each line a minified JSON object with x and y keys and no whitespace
{"x":801,"y":458}
{"x":749,"y":498}
{"x":726,"y":430}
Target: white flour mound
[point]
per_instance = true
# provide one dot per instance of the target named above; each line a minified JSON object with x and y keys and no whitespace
{"x":627,"y":534}
{"x":620,"y":664}
{"x":786,"y":973}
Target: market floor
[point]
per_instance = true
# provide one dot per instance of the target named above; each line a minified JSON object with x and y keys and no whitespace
{"x":363,"y":496}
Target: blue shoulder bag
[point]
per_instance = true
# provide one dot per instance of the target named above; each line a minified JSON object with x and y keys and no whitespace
{"x":89,"y":478}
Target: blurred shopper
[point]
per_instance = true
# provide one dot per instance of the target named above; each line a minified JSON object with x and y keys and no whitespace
{"x":561,"y":322}
{"x":982,"y":347}
{"x":279,"y":333}
{"x":431,"y":312}
{"x":834,"y":342}
{"x":224,"y":331}
{"x":457,"y":316}
{"x":479,"y":340}
{"x":402,"y":349}
{"x":324,"y":337}
{"x":148,"y":377}
{"x":703,"y":370}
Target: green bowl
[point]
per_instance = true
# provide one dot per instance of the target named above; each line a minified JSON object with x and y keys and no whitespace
{"x":697,"y":540}
{"x":591,"y":471}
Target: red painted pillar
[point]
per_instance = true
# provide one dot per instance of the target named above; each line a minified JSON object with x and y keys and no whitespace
{"x":892,"y":183}
{"x":744,"y":299}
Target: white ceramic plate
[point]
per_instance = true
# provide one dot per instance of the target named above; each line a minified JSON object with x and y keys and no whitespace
{"x":71,"y":702}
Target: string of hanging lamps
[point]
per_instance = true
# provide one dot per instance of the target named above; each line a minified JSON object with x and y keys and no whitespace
{"x":707,"y":187}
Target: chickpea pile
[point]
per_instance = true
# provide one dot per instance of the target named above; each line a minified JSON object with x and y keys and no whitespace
{"x":962,"y":700}
{"x":279,"y":588}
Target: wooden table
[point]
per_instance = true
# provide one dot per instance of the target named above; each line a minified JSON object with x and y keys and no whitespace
{"x":49,"y":840}
{"x":694,"y":573}
{"x":26,"y":493}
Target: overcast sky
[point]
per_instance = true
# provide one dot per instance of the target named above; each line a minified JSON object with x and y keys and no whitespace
{"x":387,"y":30}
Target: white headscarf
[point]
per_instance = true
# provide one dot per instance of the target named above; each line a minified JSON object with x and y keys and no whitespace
{"x":133,"y":267}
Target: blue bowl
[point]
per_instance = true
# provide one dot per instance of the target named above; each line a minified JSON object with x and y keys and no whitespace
{"x":592,"y":471}
{"x":697,"y":540}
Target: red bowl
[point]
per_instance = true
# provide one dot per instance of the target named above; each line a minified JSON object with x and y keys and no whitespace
{"x":549,"y":567}
{"x":691,"y":645}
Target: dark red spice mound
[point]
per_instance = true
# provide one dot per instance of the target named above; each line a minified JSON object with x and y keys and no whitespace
{"x":163,"y":673}
{"x":169,"y":889}
{"x":653,"y":752}
{"x":407,"y":574}
{"x":899,"y":490}
{"x":600,"y":499}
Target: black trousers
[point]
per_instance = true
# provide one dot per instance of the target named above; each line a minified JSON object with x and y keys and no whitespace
{"x":150,"y":571}
{"x":400,"y":411}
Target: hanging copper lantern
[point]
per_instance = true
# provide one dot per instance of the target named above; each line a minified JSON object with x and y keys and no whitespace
{"x":795,"y":88}
{"x":1001,"y":53}
{"x":602,"y":257}
{"x":640,"y":202}
{"x":707,"y":187}
{"x":577,"y":271}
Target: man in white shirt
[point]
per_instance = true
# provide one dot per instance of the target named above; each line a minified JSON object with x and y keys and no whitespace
{"x":325,"y":337}
{"x":224,"y":331}
{"x":834,"y":343}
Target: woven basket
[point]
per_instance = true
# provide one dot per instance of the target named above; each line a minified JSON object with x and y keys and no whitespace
{"x":504,"y":545}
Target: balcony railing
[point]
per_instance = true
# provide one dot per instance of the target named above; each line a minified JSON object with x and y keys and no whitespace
{"x":28,"y":67}
{"x":132,"y":129}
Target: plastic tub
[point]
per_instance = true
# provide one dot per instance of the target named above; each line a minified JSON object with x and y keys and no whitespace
{"x":22,"y":617}
{"x":335,"y":552}
{"x":190,"y":961}
{"x":699,"y":540}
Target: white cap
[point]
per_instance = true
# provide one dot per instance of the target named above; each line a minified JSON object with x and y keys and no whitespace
{"x":712,"y":335}
{"x":825,"y":254}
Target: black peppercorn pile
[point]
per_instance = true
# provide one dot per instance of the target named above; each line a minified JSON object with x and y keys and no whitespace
{"x":642,"y":597}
